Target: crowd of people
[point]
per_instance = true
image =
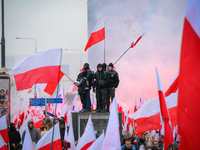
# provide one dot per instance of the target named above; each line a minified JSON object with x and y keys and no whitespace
{"x":129,"y":142}
{"x":104,"y":82}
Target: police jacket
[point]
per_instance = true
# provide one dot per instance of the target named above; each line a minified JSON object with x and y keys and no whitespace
{"x":112,"y":79}
{"x":100,"y":80}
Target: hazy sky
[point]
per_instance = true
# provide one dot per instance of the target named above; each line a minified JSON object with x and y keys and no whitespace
{"x":64,"y":24}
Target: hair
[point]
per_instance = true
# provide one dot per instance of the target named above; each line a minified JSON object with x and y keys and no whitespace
{"x":155,"y":141}
{"x":2,"y":90}
{"x":128,"y":140}
{"x":63,"y":118}
{"x":126,"y":134}
{"x":3,"y":111}
{"x":49,"y":126}
{"x":149,"y":144}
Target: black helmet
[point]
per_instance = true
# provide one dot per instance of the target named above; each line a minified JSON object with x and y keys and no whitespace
{"x":104,"y":66}
{"x":110,"y":64}
{"x":99,"y":65}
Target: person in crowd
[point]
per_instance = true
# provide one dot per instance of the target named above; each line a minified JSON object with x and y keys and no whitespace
{"x":113,"y":81}
{"x":2,"y":98}
{"x":46,"y":119}
{"x":49,"y":126}
{"x":141,"y":144}
{"x":14,"y":136}
{"x":89,"y":77}
{"x":128,"y":145}
{"x":3,"y":112}
{"x":35,"y":136}
{"x":83,"y":88}
{"x":56,"y":120}
{"x":156,"y":144}
{"x":149,"y":146}
{"x":175,"y":146}
{"x":62,"y":118}
{"x":99,"y":84}
{"x":126,"y":135}
{"x":62,"y":130}
{"x":19,"y":146}
{"x":160,"y":141}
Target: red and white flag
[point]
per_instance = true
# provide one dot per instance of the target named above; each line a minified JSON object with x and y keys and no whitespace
{"x":87,"y":138}
{"x":189,"y":87}
{"x":28,"y":144}
{"x":136,"y":107}
{"x":70,"y":138}
{"x":4,"y":129}
{"x":72,"y":89}
{"x":2,"y":144}
{"x":50,"y":87}
{"x":98,"y":143}
{"x":137,"y":40}
{"x":41,"y":67}
{"x":112,"y":137}
{"x":168,"y":134}
{"x":45,"y":142}
{"x":97,"y":35}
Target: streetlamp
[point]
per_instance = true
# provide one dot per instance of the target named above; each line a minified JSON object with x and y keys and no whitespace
{"x":18,"y":38}
{"x":80,"y":54}
{"x":29,"y":39}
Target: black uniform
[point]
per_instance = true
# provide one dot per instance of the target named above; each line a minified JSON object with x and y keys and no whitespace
{"x":83,"y":87}
{"x":100,"y":82}
{"x":113,"y":82}
{"x":14,"y":136}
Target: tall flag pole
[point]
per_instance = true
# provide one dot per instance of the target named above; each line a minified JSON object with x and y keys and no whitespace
{"x":132,"y":45}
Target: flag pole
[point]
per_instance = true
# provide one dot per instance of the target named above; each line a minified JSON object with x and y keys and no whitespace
{"x":122,"y":55}
{"x":69,"y":78}
{"x":56,"y":104}
{"x":105,"y":48}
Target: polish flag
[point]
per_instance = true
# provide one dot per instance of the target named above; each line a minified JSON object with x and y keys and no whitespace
{"x":189,"y":87}
{"x":136,"y":107}
{"x":28,"y":144}
{"x":137,"y":40}
{"x":41,"y":67}
{"x":50,"y":87}
{"x":148,"y":116}
{"x":112,"y":137}
{"x":168,"y":134}
{"x":98,"y":143}
{"x":2,"y":144}
{"x":97,"y":35}
{"x":4,"y":128}
{"x":14,"y":120}
{"x":70,"y":138}
{"x":21,"y":117}
{"x":72,"y":89}
{"x":88,"y":137}
{"x":45,"y":142}
{"x":173,"y":87}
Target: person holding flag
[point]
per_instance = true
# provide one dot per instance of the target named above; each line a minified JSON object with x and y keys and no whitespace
{"x":112,"y":84}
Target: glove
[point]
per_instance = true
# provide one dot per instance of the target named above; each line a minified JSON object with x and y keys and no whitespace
{"x":94,"y":91}
{"x":76,"y":83}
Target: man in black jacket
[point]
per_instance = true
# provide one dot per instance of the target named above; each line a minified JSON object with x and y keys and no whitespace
{"x":113,"y":81}
{"x":14,"y":136}
{"x":83,"y":88}
{"x":100,"y":85}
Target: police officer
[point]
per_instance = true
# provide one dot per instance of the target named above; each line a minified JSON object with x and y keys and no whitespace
{"x":112,"y":83}
{"x":89,"y":77}
{"x":99,"y":83}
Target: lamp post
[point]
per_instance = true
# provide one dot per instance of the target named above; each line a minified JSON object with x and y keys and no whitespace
{"x":19,"y":38}
{"x":3,"y":62}
{"x":80,"y":54}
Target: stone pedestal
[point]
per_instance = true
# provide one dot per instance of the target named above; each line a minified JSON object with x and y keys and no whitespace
{"x":100,"y":121}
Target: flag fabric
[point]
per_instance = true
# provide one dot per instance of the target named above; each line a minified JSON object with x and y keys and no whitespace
{"x":28,"y":144}
{"x":148,"y":116}
{"x":70,"y":138}
{"x":136,"y":107}
{"x":45,"y":142}
{"x":112,"y":137}
{"x":41,"y":67}
{"x":72,"y":89}
{"x":88,"y":137}
{"x":189,"y":87}
{"x":173,"y":87}
{"x":168,"y":134}
{"x":97,"y":35}
{"x":2,"y":144}
{"x":98,"y":143}
{"x":4,"y":129}
{"x":137,"y":40}
{"x":50,"y":87}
